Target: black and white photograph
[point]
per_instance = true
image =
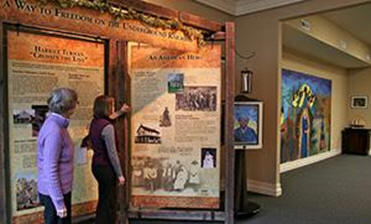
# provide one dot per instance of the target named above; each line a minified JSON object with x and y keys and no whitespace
{"x":23,"y":116}
{"x":147,"y":135}
{"x":197,"y":99}
{"x":41,"y":112}
{"x":165,"y":120}
{"x":208,"y":158}
{"x":160,"y":175}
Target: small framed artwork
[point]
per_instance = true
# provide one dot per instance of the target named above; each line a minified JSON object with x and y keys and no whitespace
{"x":359,"y":102}
{"x":248,"y":125}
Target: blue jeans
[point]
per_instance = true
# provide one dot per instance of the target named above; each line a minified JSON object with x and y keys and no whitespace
{"x":50,"y":213}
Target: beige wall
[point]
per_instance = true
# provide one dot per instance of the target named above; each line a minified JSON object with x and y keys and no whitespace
{"x":261,"y":32}
{"x":359,"y":84}
{"x":339,"y":78}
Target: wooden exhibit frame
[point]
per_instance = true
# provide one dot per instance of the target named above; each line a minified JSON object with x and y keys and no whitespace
{"x":118,"y":84}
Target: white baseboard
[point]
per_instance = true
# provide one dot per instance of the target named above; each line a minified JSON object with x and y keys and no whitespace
{"x":284,"y":167}
{"x":264,"y":188}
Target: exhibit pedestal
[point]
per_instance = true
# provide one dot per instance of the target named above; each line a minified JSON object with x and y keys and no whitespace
{"x":243,"y":207}
{"x":250,"y":208}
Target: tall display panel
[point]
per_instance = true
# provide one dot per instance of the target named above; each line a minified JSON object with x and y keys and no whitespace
{"x":38,"y":62}
{"x":175,"y":137}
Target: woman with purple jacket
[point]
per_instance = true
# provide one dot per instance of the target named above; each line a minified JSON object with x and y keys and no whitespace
{"x":106,"y":165}
{"x":55,"y":152}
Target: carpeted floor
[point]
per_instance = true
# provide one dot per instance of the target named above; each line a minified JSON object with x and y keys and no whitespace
{"x":334,"y":191}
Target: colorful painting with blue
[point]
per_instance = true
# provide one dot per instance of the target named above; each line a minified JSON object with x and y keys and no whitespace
{"x":246,"y":123}
{"x":305,"y":115}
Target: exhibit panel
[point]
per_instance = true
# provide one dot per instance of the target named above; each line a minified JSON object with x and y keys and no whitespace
{"x":175,"y":137}
{"x":37,"y":63}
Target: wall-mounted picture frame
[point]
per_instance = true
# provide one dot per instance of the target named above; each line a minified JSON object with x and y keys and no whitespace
{"x":248,"y":125}
{"x":359,"y":102}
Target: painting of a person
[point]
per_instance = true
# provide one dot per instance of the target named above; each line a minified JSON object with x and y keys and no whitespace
{"x":106,"y":165}
{"x":322,"y":143}
{"x":55,"y":151}
{"x":304,"y":136}
{"x":244,"y":133}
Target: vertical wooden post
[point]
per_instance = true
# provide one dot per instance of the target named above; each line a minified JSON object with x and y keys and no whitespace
{"x":113,"y":67}
{"x":3,"y":177}
{"x":229,"y":110}
{"x":124,"y":96}
{"x":116,"y":89}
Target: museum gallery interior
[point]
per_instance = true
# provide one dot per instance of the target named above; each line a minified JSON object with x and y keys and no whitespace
{"x":241,"y":111}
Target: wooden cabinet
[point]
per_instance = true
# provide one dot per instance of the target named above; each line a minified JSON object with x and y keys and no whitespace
{"x":355,"y":141}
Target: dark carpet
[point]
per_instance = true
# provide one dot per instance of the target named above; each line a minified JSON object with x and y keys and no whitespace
{"x":334,"y":191}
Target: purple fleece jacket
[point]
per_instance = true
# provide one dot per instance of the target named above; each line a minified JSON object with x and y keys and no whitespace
{"x":55,"y":152}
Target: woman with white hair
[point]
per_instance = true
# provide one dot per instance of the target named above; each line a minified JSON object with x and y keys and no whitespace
{"x":55,"y":152}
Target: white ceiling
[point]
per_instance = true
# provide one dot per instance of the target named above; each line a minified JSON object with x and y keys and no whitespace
{"x":242,"y":7}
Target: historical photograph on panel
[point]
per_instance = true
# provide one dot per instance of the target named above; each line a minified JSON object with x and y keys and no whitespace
{"x":23,"y":116}
{"x":197,"y":98}
{"x":208,"y":158}
{"x":26,"y":191}
{"x":175,"y":82}
{"x":41,"y":112}
{"x":164,"y":175}
{"x":165,"y":120}
{"x":147,"y":135}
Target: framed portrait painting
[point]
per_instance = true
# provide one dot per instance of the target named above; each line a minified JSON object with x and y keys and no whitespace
{"x":359,"y":102}
{"x":248,"y":125}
